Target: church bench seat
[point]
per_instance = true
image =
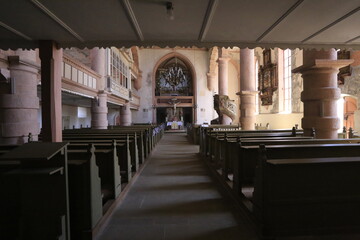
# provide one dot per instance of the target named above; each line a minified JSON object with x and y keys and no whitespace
{"x":247,"y":157}
{"x":135,"y":151}
{"x":138,"y":147}
{"x":108,"y":164}
{"x":35,"y":204}
{"x":213,"y":146}
{"x":307,"y":195}
{"x":122,"y":150}
{"x":228,"y":148}
{"x":85,"y":195}
{"x":209,"y":143}
{"x":207,"y":132}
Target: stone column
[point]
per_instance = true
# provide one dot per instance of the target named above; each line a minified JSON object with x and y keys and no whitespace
{"x":98,"y":64}
{"x":99,"y":112}
{"x":125,"y":115}
{"x":19,"y":104}
{"x":319,"y":72}
{"x":247,"y":89}
{"x":223,"y":62}
{"x":99,"y":109}
{"x":211,"y":81}
{"x":51,"y":60}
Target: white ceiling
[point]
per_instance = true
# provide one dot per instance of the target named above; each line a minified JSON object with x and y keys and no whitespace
{"x":201,"y":23}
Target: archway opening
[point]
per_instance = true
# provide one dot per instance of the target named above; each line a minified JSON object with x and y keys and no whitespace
{"x":174,"y":91}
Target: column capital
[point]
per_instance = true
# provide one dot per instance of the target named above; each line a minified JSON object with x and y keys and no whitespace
{"x":245,"y":92}
{"x":222,"y":60}
{"x":18,"y":60}
{"x":324,"y":63}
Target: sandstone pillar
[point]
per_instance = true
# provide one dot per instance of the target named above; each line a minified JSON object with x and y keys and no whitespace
{"x":99,"y":112}
{"x":211,"y":81}
{"x":223,"y":62}
{"x":320,"y":93}
{"x":19,"y":104}
{"x":247,"y":89}
{"x":125,"y":115}
{"x":99,"y":109}
{"x":51,"y":60}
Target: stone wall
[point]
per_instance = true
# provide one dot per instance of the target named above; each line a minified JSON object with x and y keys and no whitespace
{"x":81,"y":55}
{"x":148,"y":58}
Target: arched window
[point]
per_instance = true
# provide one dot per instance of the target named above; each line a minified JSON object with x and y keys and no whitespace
{"x":173,"y":78}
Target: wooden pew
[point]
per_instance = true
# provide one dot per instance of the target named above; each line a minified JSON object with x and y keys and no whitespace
{"x":84,"y":191}
{"x":315,"y":193}
{"x":35,"y":203}
{"x":152,"y":133}
{"x":213,"y":139}
{"x":247,"y":154}
{"x":122,"y":150}
{"x":209,"y":137}
{"x":137,"y":145}
{"x":108,"y":164}
{"x":227,"y":153}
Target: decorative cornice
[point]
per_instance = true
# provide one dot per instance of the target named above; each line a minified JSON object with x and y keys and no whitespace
{"x":17,"y":60}
{"x":325,"y":64}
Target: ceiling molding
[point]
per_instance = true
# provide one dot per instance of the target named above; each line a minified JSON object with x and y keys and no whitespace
{"x":132,"y":18}
{"x":210,"y":44}
{"x":57,"y":20}
{"x":208,"y":19}
{"x":290,"y":10}
{"x":332,"y":24}
{"x":353,"y":39}
{"x":7,"y":27}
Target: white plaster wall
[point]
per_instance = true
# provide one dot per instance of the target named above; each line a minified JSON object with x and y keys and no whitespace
{"x":357,"y":122}
{"x":199,"y":59}
{"x":279,"y":121}
{"x":352,"y":88}
{"x":72,"y":112}
{"x":297,"y":82}
{"x":112,"y":114}
{"x":233,"y":88}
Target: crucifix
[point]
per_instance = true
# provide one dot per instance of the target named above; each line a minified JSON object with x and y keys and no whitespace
{"x":174,"y":102}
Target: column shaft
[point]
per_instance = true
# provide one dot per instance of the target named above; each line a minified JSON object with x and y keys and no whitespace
{"x":99,"y":109}
{"x":19,"y":104}
{"x":321,"y":93}
{"x":223,"y":62}
{"x":247,"y":89}
{"x":51,"y":60}
{"x":99,"y":112}
{"x":125,"y":115}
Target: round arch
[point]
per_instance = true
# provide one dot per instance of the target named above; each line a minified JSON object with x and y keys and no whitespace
{"x":184,"y":101}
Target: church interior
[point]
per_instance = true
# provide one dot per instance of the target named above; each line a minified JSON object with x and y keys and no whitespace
{"x":179,"y":119}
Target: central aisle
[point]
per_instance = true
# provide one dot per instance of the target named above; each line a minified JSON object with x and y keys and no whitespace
{"x":175,"y":198}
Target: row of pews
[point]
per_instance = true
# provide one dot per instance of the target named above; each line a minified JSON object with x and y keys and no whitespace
{"x":289,"y":184}
{"x":66,"y":190}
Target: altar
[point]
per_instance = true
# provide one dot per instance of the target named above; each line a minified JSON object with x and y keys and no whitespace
{"x":175,"y":125}
{"x":174,"y":118}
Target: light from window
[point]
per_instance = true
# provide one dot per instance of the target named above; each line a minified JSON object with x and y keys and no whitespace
{"x":118,"y":68}
{"x":287,"y":80}
{"x":257,"y":87}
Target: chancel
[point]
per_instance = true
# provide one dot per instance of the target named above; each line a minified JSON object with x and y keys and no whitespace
{"x":105,"y":109}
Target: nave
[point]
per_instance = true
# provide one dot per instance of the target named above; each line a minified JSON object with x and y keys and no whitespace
{"x":174,"y":197}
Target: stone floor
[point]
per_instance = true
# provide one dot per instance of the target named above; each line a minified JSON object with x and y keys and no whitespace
{"x":175,"y":198}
